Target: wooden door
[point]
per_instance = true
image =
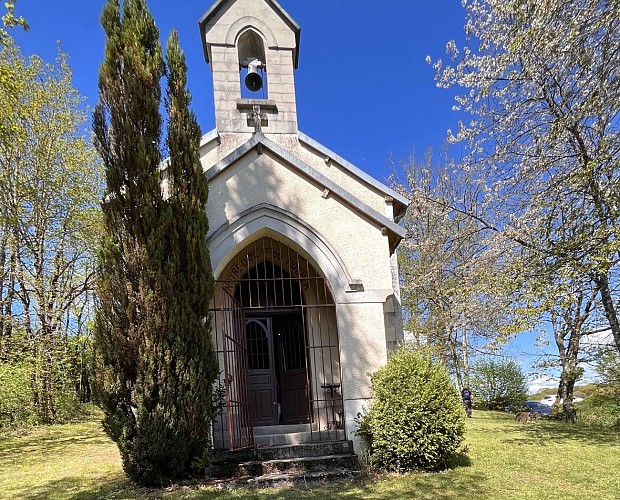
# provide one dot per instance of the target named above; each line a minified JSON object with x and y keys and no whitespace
{"x":262,"y":380}
{"x":291,"y":348}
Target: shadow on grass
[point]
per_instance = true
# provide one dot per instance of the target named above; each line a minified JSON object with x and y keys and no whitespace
{"x":74,"y":488}
{"x":53,"y":438}
{"x":49,"y":443}
{"x":459,"y":460}
{"x":539,"y":433}
{"x":419,"y":485}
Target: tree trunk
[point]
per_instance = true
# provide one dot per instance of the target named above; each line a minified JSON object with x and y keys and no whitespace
{"x":3,"y":245}
{"x":465,"y":356}
{"x":455,"y":358}
{"x":47,"y":365}
{"x":570,"y":413}
{"x":34,"y":370}
{"x":556,"y":404}
{"x":602,"y":282}
{"x":6,"y":305}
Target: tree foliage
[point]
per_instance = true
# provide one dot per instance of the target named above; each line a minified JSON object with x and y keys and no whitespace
{"x":542,"y":88}
{"x":9,"y":20}
{"x":497,"y":384}
{"x":602,"y":408}
{"x":454,"y":289}
{"x":49,"y":217}
{"x":152,"y":333}
{"x":608,"y":368}
{"x":416,"y":420}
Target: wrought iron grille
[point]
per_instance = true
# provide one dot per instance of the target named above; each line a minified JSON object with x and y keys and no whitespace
{"x":276,"y":287}
{"x":231,"y":346}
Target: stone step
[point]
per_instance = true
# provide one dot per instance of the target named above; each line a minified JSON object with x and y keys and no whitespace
{"x":327,"y":475}
{"x":260,"y":468}
{"x":275,"y":479}
{"x":298,"y":438}
{"x":309,"y":464}
{"x":304,"y":450}
{"x":280,"y":429}
{"x":284,"y":451}
{"x":279,"y":435}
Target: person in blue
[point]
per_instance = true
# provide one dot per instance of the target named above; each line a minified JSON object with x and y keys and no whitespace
{"x":467,"y":400}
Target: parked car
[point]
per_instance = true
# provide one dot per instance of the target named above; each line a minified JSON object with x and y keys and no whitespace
{"x":531,"y":406}
{"x":549,"y":400}
{"x":539,"y":407}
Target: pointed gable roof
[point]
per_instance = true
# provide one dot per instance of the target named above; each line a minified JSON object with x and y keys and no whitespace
{"x":391,"y":229}
{"x":220,"y":4}
{"x":400,"y":202}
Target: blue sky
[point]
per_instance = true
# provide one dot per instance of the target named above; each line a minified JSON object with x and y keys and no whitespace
{"x":363,"y":87}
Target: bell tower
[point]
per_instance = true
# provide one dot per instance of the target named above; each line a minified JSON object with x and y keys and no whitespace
{"x":253,"y":48}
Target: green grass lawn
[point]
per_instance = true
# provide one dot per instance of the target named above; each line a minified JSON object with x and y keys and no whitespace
{"x":503,"y":460}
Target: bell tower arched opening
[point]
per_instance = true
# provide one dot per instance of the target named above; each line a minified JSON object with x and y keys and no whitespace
{"x":252,"y":65}
{"x":277,"y":341}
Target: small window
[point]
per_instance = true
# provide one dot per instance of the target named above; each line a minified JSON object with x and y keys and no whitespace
{"x":258,"y":347}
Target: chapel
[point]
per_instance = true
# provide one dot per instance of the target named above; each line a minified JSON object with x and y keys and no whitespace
{"x":302,"y":242}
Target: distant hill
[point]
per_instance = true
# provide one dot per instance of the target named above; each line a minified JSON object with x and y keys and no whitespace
{"x":582,"y":391}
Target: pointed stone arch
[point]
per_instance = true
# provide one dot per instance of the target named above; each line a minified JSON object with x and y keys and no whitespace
{"x":246,"y":23}
{"x":266,"y":219}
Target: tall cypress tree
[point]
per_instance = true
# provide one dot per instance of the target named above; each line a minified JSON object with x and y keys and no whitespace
{"x":188,"y":277}
{"x":154,"y":357}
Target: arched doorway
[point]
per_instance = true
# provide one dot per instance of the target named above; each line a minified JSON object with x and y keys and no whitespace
{"x":279,"y":355}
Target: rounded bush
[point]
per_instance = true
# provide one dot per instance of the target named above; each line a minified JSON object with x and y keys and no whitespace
{"x":416,"y":420}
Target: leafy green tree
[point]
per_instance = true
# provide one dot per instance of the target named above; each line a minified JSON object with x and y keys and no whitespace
{"x":16,"y":404}
{"x":570,"y":314}
{"x":152,"y":341}
{"x":542,"y":83}
{"x":187,"y":275}
{"x":602,"y":407}
{"x":566,"y":307}
{"x":496,"y":384}
{"x":131,"y":305}
{"x":9,"y":21}
{"x":50,"y":186}
{"x":608,"y":368}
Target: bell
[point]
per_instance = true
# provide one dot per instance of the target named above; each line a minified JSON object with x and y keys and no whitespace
{"x":253,"y":80}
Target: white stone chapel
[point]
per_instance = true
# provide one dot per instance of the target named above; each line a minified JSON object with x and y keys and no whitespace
{"x":302,"y":244}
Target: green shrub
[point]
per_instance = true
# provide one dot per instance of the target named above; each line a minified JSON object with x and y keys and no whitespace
{"x":497,"y":385}
{"x":69,"y":408}
{"x":416,"y":420}
{"x":600,"y":410}
{"x":16,"y":406}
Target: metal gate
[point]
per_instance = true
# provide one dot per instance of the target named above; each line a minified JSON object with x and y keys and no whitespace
{"x":271,"y":284}
{"x":231,"y":346}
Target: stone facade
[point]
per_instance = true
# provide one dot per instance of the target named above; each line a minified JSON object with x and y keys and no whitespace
{"x":269,"y":179}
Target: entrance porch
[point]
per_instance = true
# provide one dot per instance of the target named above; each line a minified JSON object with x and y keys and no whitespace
{"x":276,"y":336}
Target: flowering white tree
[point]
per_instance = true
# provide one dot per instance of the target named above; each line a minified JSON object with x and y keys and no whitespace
{"x":453,"y":287}
{"x":542,"y":88}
